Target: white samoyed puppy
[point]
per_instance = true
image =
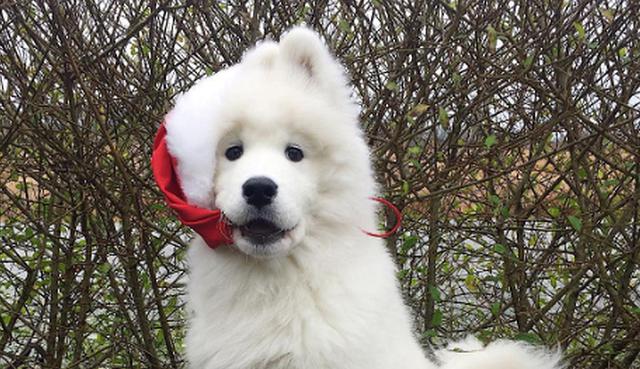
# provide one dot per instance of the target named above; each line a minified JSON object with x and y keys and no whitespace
{"x":274,"y":142}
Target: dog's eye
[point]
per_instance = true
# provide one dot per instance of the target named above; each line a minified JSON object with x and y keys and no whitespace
{"x":294,"y":153}
{"x":234,"y":152}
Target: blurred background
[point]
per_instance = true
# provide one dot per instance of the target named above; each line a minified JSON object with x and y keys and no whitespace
{"x":507,"y":132}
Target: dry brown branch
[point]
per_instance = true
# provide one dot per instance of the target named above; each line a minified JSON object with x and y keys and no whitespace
{"x":508,"y":132}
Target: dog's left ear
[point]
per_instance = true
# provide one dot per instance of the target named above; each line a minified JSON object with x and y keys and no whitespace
{"x":302,"y":49}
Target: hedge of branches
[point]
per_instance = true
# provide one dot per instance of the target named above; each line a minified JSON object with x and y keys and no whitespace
{"x":508,"y":132}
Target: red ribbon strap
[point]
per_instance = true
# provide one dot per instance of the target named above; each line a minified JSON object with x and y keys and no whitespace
{"x":207,"y":223}
{"x":397,"y":214}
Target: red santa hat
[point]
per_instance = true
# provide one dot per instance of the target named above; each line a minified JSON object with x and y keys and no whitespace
{"x":183,"y":159}
{"x":208,"y":223}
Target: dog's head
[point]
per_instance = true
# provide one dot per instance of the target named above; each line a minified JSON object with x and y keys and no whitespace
{"x":274,"y":143}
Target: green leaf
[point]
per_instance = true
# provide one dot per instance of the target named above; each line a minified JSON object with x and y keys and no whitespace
{"x":499,"y":248}
{"x":623,"y":52}
{"x":505,"y":211}
{"x":405,"y":187}
{"x":391,"y":85}
{"x":607,"y":14}
{"x":429,"y":333}
{"x":494,"y":200}
{"x":144,"y":49}
{"x":471,"y":282}
{"x":435,"y":293}
{"x":443,"y":117}
{"x":528,"y":337}
{"x":408,"y":243}
{"x":344,"y":26}
{"x":576,"y":223}
{"x":554,"y":212}
{"x":490,"y":141}
{"x":611,"y":182}
{"x":580,"y":29}
{"x":415,"y":150}
{"x":104,"y":268}
{"x":456,"y":78}
{"x":420,"y":108}
{"x":492,"y":37}
{"x":582,"y":173}
{"x":436,"y":320}
{"x":495,"y":308}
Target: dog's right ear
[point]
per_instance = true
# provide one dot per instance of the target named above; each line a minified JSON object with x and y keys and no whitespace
{"x":303,"y":50}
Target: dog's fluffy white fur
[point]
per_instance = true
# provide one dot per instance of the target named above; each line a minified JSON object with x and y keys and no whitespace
{"x":325,"y":295}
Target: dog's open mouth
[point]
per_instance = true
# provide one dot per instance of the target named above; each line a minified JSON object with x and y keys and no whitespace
{"x":261,"y":231}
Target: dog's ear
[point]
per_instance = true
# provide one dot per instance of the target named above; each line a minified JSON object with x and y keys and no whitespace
{"x":302,"y":50}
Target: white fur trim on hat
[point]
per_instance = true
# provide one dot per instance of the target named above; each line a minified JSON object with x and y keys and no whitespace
{"x":192,"y":134}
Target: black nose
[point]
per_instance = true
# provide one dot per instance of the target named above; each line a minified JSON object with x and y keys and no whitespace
{"x":259,"y":191}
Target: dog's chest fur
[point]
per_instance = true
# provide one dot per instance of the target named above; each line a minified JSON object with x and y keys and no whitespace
{"x":332,"y":313}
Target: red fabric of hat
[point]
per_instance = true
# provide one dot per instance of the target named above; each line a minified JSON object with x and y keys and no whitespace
{"x":206,"y":222}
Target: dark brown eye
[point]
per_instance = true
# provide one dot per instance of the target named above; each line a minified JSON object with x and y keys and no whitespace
{"x":234,"y":152}
{"x":294,"y":153}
